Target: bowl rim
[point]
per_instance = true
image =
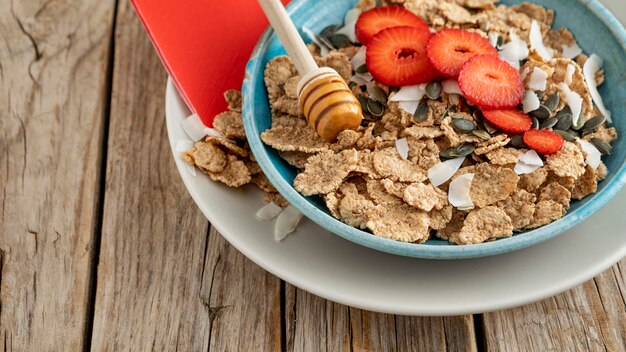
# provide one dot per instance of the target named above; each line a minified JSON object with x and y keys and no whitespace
{"x":423,"y":251}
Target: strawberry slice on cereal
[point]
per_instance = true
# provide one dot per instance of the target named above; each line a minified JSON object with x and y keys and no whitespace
{"x":449,"y":49}
{"x":375,"y":20}
{"x":512,"y":120}
{"x":544,"y":142}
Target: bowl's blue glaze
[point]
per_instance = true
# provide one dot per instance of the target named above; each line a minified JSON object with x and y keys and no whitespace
{"x":596,"y":30}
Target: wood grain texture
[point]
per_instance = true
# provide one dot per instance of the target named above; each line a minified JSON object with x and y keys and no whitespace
{"x":153,"y":236}
{"x":54,"y":67}
{"x":314,"y":324}
{"x":590,"y":317}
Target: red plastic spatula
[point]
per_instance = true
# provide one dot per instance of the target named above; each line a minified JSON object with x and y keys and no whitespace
{"x":204,"y":45}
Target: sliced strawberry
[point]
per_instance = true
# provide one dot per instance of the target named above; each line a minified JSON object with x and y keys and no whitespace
{"x":491,"y":83}
{"x":449,"y":49}
{"x":377,"y":19}
{"x":514,"y":121}
{"x":544,"y":142}
{"x":397,"y":57}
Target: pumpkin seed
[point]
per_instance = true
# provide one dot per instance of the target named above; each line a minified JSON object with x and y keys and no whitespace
{"x":329,"y":30}
{"x":421,"y":113}
{"x":340,"y":40}
{"x":378,"y":94}
{"x":542,"y":113}
{"x":462,"y":125}
{"x":535,"y":124}
{"x":594,"y":123}
{"x":565,"y":122}
{"x":491,"y":129}
{"x":361,"y":69}
{"x":363,"y":101}
{"x":553,"y":102}
{"x":518,"y":141}
{"x":465,"y":150}
{"x":602,"y":146}
{"x":449,"y":153}
{"x":579,"y":122}
{"x":482,"y":134}
{"x":375,"y":108}
{"x":433,"y":90}
{"x":478,"y":115}
{"x":549,"y":123}
{"x":500,"y":41}
{"x":568,"y":136}
{"x":326,"y":41}
{"x":457,"y":116}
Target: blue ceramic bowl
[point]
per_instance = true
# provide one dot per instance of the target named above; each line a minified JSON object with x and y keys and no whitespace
{"x":596,"y":30}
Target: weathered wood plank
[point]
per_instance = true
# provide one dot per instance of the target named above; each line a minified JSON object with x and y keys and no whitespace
{"x":54,"y":65}
{"x":153,"y":236}
{"x":590,"y":317}
{"x":314,"y":324}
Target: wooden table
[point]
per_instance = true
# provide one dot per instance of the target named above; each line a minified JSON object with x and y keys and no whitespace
{"x":101,"y":247}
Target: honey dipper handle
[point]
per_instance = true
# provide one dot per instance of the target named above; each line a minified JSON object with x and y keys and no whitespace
{"x":289,"y":36}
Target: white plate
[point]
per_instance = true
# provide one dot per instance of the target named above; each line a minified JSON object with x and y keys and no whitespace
{"x":326,"y":265}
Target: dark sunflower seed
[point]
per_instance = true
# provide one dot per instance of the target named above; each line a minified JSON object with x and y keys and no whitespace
{"x":482,"y":134}
{"x":549,"y":123}
{"x":602,"y":146}
{"x":535,"y":124}
{"x":568,"y":136}
{"x":465,"y":150}
{"x":363,"y":101}
{"x":329,"y":30}
{"x":518,"y":141}
{"x":478,"y":115}
{"x":378,"y":94}
{"x":433,"y":90}
{"x":542,"y":113}
{"x":594,"y":123}
{"x":340,"y":40}
{"x":500,"y":41}
{"x":463,"y":126}
{"x":552,"y":102}
{"x":565,"y":122}
{"x":421,"y":113}
{"x":361,"y":69}
{"x":491,"y":129}
{"x":375,"y":108}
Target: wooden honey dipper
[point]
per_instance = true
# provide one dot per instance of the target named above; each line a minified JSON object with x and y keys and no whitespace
{"x":325,"y":98}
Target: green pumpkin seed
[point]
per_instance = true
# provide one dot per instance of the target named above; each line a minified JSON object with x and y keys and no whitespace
{"x":361,"y":69}
{"x":449,"y":153}
{"x":340,"y":40}
{"x":482,"y":134}
{"x":602,"y":146}
{"x":568,"y":136}
{"x":579,"y":122}
{"x":564,"y":123}
{"x":378,"y":94}
{"x":553,"y":102}
{"x":363,"y":101}
{"x":462,"y":125}
{"x":535,"y":124}
{"x":329,"y":30}
{"x":542,"y":113}
{"x":433,"y":90}
{"x":594,"y":123}
{"x":457,"y":116}
{"x":375,"y":108}
{"x":491,"y":129}
{"x":518,"y":141}
{"x":549,"y":123}
{"x":421,"y":113}
{"x":465,"y":150}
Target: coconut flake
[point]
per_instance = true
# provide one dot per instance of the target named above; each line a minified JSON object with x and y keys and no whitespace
{"x":571,"y":51}
{"x":324,"y":50}
{"x":569,"y":74}
{"x":402,"y":146}
{"x":349,"y":24}
{"x":574,"y":101}
{"x":493,"y":39}
{"x":536,"y":42}
{"x":591,"y":67}
{"x":268,"y":212}
{"x":409,"y":106}
{"x":194,"y":128}
{"x":459,"y":192}
{"x":594,"y":157}
{"x":514,"y":51}
{"x":521,"y":168}
{"x":524,"y":73}
{"x":442,"y":172}
{"x":410,"y":93}
{"x":531,"y":158}
{"x":530,"y":102}
{"x":358,"y":80}
{"x":286,"y":222}
{"x":451,"y":86}
{"x":182,"y":146}
{"x":538,"y":79}
{"x":358,"y":59}
{"x":454,"y":99}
